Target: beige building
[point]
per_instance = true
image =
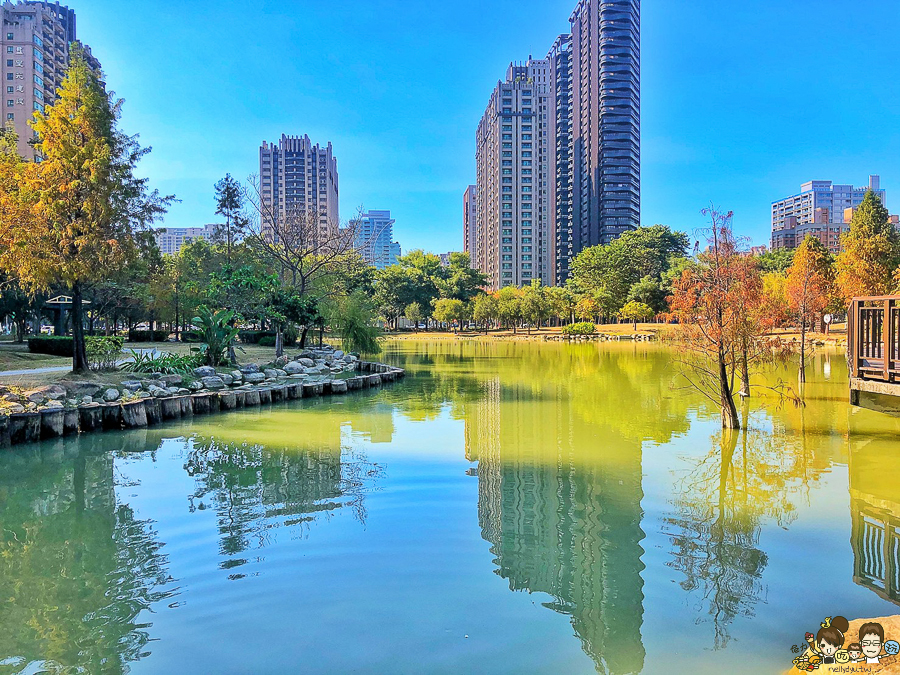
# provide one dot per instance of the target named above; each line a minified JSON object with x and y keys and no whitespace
{"x":36,"y":37}
{"x":512,"y":213}
{"x":469,"y":220}
{"x":171,"y":239}
{"x":296,"y":178}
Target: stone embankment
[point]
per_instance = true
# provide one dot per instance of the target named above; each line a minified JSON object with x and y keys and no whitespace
{"x":82,"y":407}
{"x":601,"y":337}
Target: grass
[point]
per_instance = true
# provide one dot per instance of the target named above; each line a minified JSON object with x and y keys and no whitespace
{"x":17,"y":357}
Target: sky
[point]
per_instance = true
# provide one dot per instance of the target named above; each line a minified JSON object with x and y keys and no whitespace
{"x":741,"y":101}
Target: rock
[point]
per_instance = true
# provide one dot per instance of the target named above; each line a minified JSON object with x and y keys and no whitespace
{"x":205,"y":371}
{"x":15,"y":408}
{"x":54,"y":405}
{"x":13,"y":398}
{"x":348,"y":358}
{"x":249,"y":369}
{"x":305,"y":361}
{"x":87,"y":400}
{"x":254,"y":378}
{"x":294,"y":368}
{"x":213,"y":383}
{"x":83,"y":388}
{"x":173,"y":391}
{"x":271,"y":373}
{"x":155,"y":391}
{"x":183,"y":392}
{"x":281,"y":373}
{"x":195,"y":386}
{"x":338,"y":354}
{"x":306,"y":355}
{"x":132,"y":385}
{"x":237,"y":376}
{"x":36,"y":396}
{"x":111,"y":395}
{"x":282,"y":361}
{"x":173,"y":380}
{"x":227,"y":379}
{"x":144,"y":394}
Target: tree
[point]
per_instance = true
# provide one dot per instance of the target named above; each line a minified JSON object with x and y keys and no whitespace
{"x":651,"y":292}
{"x":509,"y":306}
{"x":414,"y":313}
{"x":869,"y":252}
{"x":230,"y":205}
{"x":81,"y":204}
{"x":562,"y":303}
{"x":535,"y":306}
{"x":808,"y":289}
{"x":485,"y":310}
{"x":460,"y":280}
{"x":636,"y":311}
{"x":354,"y":317}
{"x":586,"y":309}
{"x":707,"y":300}
{"x":450,"y":310}
{"x":777,"y":261}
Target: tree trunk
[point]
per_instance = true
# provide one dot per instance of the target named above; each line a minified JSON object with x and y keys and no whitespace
{"x":730,"y":419}
{"x":802,"y":351}
{"x":745,"y":374}
{"x":79,"y":357}
{"x":279,"y":341}
{"x":303,"y":337}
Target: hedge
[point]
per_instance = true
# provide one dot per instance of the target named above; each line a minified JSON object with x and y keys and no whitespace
{"x":191,"y":336}
{"x":252,"y":337}
{"x":267,"y":341}
{"x":583,"y":328}
{"x":144,"y":336}
{"x":53,"y":345}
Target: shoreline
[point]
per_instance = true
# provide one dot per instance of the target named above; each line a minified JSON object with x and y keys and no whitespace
{"x":35,"y":426}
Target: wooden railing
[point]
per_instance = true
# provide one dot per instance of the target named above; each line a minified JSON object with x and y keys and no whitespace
{"x":873,"y":335}
{"x":875,"y":539}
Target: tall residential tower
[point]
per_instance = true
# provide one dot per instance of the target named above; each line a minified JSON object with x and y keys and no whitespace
{"x":298,"y":178}
{"x":37,"y":38}
{"x":589,"y":189}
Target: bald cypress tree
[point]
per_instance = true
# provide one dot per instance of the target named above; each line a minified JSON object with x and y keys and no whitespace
{"x":869,"y":252}
{"x":81,"y":202}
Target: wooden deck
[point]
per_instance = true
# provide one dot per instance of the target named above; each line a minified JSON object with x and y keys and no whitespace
{"x":873,"y":346}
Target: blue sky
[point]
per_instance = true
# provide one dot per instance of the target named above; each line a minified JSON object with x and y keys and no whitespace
{"x":742,"y":101}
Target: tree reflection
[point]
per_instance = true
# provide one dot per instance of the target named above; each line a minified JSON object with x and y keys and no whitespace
{"x":256,"y":490}
{"x":76,"y":568}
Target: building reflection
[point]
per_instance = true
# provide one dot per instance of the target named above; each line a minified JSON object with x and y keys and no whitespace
{"x":76,"y":566}
{"x":875,"y":514}
{"x":563,"y":521}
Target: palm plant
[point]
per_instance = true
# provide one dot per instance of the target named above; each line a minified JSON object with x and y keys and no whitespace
{"x":217,"y":331}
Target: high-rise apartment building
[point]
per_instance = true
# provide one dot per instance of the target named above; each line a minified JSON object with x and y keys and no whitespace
{"x":512,"y":154}
{"x":469,"y":220}
{"x":298,"y":181}
{"x":373,"y":236}
{"x":171,"y":239}
{"x":590,"y":179}
{"x":818,"y":209}
{"x":36,"y":40}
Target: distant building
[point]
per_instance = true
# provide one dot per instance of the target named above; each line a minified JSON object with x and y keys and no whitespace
{"x":36,"y":43}
{"x":822,"y":209}
{"x":757,"y":251}
{"x":374,"y":239}
{"x":171,"y":239}
{"x":445,"y":258}
{"x":297,"y":177}
{"x":469,"y":220}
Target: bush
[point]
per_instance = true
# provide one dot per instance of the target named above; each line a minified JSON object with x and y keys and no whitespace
{"x":145,"y":336}
{"x":191,"y":336}
{"x":267,"y":341}
{"x":164,"y":364}
{"x":103,"y":351}
{"x":583,"y":328}
{"x":252,"y":337}
{"x":53,"y":345}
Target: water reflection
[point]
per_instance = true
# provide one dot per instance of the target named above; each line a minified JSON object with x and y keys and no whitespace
{"x":76,"y":567}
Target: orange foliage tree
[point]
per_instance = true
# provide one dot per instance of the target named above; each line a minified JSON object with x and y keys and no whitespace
{"x":809,"y":288}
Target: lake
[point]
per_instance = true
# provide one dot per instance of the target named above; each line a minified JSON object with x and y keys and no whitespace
{"x":510,"y":507}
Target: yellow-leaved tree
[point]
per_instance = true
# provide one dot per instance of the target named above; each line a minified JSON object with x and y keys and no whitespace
{"x":79,"y":207}
{"x":869,"y":252}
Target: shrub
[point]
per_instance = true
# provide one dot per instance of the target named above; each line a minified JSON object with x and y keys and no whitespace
{"x":583,"y":328}
{"x":164,"y":364}
{"x":191,"y":336}
{"x":145,"y":336}
{"x":53,"y":345}
{"x":217,"y":332}
{"x":103,"y":351}
{"x":252,"y":337}
{"x":268,"y":341}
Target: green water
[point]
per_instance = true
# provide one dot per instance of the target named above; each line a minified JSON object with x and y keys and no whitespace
{"x":508,"y":508}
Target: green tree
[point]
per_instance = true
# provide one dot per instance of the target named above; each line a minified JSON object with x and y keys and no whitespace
{"x":450,"y":310}
{"x":649,"y":291}
{"x":562,"y":302}
{"x":509,"y":306}
{"x":414,"y":313}
{"x":777,"y":261}
{"x":535,"y":305}
{"x":485,"y":310}
{"x":636,"y":311}
{"x":230,"y":205}
{"x":869,"y":252}
{"x":459,"y":280}
{"x":82,"y":201}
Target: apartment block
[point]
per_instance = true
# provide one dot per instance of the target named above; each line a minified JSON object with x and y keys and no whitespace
{"x":36,"y":39}
{"x":586,"y":183}
{"x":469,"y":220}
{"x":298,"y":181}
{"x":821,"y":208}
{"x":373,"y":236}
{"x":171,"y":239}
{"x":512,"y":155}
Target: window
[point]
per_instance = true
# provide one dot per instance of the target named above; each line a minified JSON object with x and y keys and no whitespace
{"x":9,"y":76}
{"x":9,"y":63}
{"x":10,"y":50}
{"x":10,"y":103}
{"x":9,"y":36}
{"x":38,"y":55}
{"x":9,"y":90}
{"x":10,"y":116}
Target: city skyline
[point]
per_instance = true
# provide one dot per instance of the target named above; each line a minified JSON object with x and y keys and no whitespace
{"x":725,"y":118}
